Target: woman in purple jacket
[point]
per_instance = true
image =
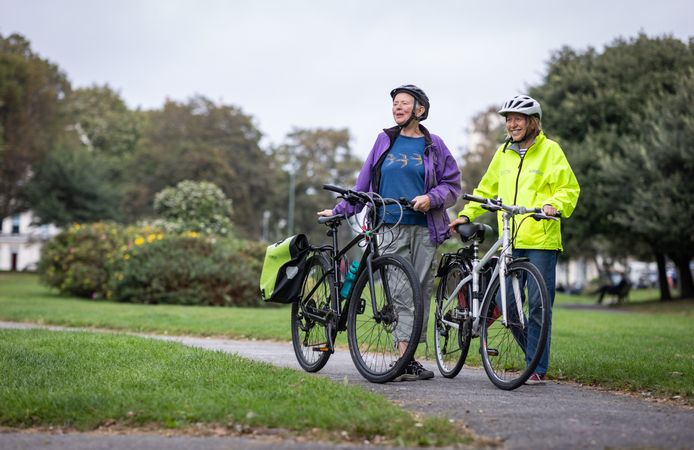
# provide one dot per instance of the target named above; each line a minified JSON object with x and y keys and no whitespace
{"x":408,"y":161}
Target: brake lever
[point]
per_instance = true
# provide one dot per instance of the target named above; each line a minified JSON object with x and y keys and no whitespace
{"x":543,"y":216}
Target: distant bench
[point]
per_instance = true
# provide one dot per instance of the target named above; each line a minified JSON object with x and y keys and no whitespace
{"x":620,"y":291}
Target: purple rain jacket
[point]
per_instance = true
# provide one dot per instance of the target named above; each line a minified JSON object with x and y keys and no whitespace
{"x":441,"y":178}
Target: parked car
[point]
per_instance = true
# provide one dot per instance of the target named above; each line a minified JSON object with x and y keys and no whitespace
{"x":647,"y":279}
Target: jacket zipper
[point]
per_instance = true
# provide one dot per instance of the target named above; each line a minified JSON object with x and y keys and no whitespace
{"x":515,"y":196}
{"x":432,"y":158}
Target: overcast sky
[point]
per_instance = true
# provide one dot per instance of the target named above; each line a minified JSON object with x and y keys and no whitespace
{"x":327,"y":63}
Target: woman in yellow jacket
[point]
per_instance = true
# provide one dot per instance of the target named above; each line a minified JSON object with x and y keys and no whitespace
{"x":530,"y":170}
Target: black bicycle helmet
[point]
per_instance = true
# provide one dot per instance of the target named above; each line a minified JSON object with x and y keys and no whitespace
{"x":418,"y":94}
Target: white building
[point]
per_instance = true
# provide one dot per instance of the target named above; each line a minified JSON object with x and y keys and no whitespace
{"x":21,"y":242}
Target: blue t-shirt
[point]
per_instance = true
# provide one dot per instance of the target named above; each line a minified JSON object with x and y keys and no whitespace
{"x":402,"y":175}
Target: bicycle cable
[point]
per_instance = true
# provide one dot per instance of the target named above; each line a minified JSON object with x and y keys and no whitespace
{"x":515,"y":235}
{"x":380,"y":229}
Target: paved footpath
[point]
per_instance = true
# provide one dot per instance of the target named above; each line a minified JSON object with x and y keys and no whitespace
{"x":553,"y":416}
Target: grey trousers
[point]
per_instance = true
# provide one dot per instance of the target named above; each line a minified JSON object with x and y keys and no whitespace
{"x":412,"y":243}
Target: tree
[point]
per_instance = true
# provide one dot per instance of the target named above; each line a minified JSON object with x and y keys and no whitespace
{"x":68,"y":187}
{"x":665,"y":165}
{"x":31,"y":99}
{"x":103,"y":121}
{"x":486,"y":132}
{"x":82,"y":176}
{"x":202,"y":141}
{"x":317,"y":157}
{"x":194,"y":206}
{"x":601,"y":106}
{"x":485,"y":135}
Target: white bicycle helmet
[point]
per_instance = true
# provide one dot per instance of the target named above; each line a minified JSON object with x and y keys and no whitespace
{"x":522,"y":104}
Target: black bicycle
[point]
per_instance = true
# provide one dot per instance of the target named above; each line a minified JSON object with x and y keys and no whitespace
{"x":385,"y":298}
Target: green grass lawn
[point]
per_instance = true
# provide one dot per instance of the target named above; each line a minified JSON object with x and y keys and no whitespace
{"x":650,"y":353}
{"x":23,"y":299}
{"x":82,"y":380}
{"x":643,"y":346}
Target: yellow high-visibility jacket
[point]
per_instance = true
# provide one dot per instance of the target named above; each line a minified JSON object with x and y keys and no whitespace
{"x":542,"y":177}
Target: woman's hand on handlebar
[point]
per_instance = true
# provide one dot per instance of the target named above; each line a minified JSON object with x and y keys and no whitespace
{"x":549,"y":210}
{"x":458,"y":221}
{"x":421,"y":203}
{"x":325,"y":213}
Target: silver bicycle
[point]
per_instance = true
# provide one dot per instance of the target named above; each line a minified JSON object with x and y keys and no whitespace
{"x":502,"y":300}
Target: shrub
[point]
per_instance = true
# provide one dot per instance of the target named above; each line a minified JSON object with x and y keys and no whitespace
{"x":189,"y":269}
{"x":145,"y":265}
{"x":194,"y":206}
{"x":78,"y":260}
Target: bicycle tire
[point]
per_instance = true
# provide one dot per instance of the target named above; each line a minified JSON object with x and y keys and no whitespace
{"x":371,"y":339}
{"x":310,"y":337}
{"x":451,"y":344}
{"x":503,"y":348}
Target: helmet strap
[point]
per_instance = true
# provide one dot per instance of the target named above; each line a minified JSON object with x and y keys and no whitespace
{"x":521,"y":140}
{"x":413,"y":116}
{"x":525,"y":137}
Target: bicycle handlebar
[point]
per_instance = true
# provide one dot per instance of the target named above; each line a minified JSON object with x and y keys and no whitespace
{"x":474,"y":198}
{"x":362,"y":197}
{"x":328,"y":219}
{"x":491,"y":204}
{"x":365,"y":198}
{"x":349,"y":195}
{"x":332,"y":187}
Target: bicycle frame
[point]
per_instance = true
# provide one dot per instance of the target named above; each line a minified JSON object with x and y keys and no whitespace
{"x":504,"y":242}
{"x":338,"y":313}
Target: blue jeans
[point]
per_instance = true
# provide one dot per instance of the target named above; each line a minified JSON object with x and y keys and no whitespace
{"x":546,"y":262}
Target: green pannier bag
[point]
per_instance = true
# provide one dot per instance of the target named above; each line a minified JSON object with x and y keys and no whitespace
{"x":283,"y":269}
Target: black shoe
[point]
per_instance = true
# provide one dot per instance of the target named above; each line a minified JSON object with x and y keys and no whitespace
{"x":415,"y":371}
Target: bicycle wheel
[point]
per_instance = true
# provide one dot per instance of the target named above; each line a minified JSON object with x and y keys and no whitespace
{"x":374,"y":333}
{"x":310,"y":336}
{"x":453,"y":322}
{"x":511,"y":352}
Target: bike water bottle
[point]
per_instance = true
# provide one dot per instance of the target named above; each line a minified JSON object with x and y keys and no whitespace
{"x":350,"y":276}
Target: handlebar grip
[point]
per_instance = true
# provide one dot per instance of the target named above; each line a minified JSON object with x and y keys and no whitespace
{"x":326,"y":219}
{"x":543,"y":216}
{"x":474,"y":198}
{"x":332,"y":187}
{"x":540,"y":211}
{"x":405,"y":203}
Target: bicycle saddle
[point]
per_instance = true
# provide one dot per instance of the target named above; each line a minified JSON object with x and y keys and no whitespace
{"x":470,"y":231}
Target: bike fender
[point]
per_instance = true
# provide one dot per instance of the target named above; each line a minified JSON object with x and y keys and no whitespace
{"x":524,"y":258}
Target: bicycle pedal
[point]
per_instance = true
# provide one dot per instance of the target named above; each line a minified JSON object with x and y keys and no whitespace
{"x":321,"y":349}
{"x":492,"y":352}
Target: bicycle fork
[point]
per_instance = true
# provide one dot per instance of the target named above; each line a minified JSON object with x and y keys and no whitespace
{"x":372,"y":289}
{"x":504,"y":260}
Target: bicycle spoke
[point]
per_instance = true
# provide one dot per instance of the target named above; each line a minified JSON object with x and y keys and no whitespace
{"x":452,"y":342}
{"x":511,"y":352}
{"x":310,"y":336}
{"x":374,"y":334}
